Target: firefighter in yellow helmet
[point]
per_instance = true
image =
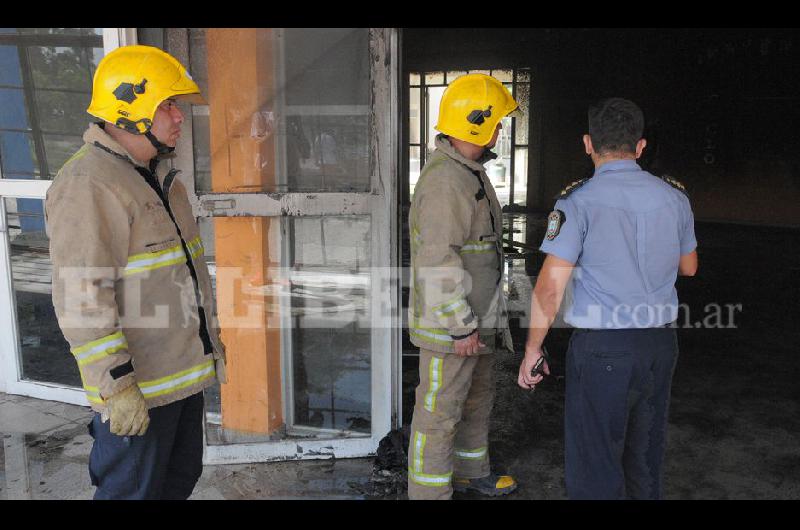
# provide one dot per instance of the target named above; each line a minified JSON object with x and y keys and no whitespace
{"x":456,"y":307}
{"x":130,"y":286}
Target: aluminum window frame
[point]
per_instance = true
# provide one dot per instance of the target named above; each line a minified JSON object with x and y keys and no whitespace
{"x":11,"y":380}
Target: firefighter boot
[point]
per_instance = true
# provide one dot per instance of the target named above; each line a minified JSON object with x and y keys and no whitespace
{"x":492,"y":485}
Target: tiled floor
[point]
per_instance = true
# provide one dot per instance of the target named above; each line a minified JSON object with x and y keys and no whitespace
{"x":45,"y":452}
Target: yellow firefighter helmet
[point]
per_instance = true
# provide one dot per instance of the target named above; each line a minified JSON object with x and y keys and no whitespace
{"x":132,"y":81}
{"x":472,"y":106}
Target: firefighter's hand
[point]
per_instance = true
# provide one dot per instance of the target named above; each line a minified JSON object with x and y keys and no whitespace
{"x":220,"y":365}
{"x":128,"y":412}
{"x":526,"y":379}
{"x":469,"y":345}
{"x":220,"y":368}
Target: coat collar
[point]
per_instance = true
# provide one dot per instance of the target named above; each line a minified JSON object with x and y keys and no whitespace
{"x":95,"y":133}
{"x":444,"y":145}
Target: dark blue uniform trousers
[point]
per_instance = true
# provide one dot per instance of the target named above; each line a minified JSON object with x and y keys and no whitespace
{"x":617,"y":400}
{"x":165,"y":463}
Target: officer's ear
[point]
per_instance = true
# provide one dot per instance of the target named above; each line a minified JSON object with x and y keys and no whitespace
{"x":587,"y":144}
{"x":640,"y":145}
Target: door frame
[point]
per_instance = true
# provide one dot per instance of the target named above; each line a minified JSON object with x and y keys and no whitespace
{"x":380,"y":204}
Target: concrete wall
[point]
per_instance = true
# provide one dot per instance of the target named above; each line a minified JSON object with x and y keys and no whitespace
{"x":722,"y":105}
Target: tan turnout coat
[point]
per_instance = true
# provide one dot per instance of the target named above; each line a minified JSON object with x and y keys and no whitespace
{"x":455,"y":225}
{"x":122,"y":288}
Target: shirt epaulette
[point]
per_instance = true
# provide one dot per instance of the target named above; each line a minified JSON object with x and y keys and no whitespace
{"x":675,"y":184}
{"x":572,"y":187}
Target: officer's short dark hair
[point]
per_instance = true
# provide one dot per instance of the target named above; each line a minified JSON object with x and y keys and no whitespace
{"x":615,"y":125}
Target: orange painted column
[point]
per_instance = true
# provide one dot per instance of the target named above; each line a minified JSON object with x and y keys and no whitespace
{"x":240,"y":85}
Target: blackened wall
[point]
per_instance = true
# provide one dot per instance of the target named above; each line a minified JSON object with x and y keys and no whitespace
{"x":721,"y":105}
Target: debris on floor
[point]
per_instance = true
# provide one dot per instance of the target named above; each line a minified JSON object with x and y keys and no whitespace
{"x":389,"y":471}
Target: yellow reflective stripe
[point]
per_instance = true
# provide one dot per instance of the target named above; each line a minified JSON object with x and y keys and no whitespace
{"x":416,"y":237}
{"x":435,"y":377}
{"x":419,"y":450}
{"x":426,"y":479}
{"x":175,"y":382}
{"x":471,"y":454}
{"x":93,"y":394}
{"x":78,"y":155}
{"x":195,"y":247}
{"x":477,"y":247}
{"x":432,"y":335}
{"x":155,"y":260}
{"x":450,"y":308}
{"x":97,"y":349}
{"x":155,"y":254}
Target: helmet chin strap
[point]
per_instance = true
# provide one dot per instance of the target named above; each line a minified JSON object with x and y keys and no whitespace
{"x":161,"y":148}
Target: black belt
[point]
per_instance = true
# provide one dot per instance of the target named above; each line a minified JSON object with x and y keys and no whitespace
{"x":584,"y":330}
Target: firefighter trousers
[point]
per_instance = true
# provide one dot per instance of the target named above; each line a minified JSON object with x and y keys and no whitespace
{"x":450,"y":426}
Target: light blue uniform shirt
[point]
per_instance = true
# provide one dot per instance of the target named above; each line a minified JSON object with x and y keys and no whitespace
{"x":625,"y":230}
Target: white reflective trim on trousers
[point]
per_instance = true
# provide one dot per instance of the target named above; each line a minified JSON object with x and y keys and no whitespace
{"x":419,"y":447}
{"x":475,"y":454}
{"x":435,"y":375}
{"x":430,"y":480}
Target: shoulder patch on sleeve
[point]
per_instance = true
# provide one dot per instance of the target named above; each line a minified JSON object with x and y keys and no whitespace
{"x":675,"y":184}
{"x":554,"y":222}
{"x":572,"y":187}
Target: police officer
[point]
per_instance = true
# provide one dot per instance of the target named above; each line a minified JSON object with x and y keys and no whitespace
{"x":122,"y":235}
{"x":622,"y":236}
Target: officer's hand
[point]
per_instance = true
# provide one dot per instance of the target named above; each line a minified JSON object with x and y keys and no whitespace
{"x":128,"y":412}
{"x":525,"y":379}
{"x":468,"y":346}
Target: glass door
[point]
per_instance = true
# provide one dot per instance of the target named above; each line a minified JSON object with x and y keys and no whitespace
{"x":45,"y":87}
{"x":292,"y":165}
